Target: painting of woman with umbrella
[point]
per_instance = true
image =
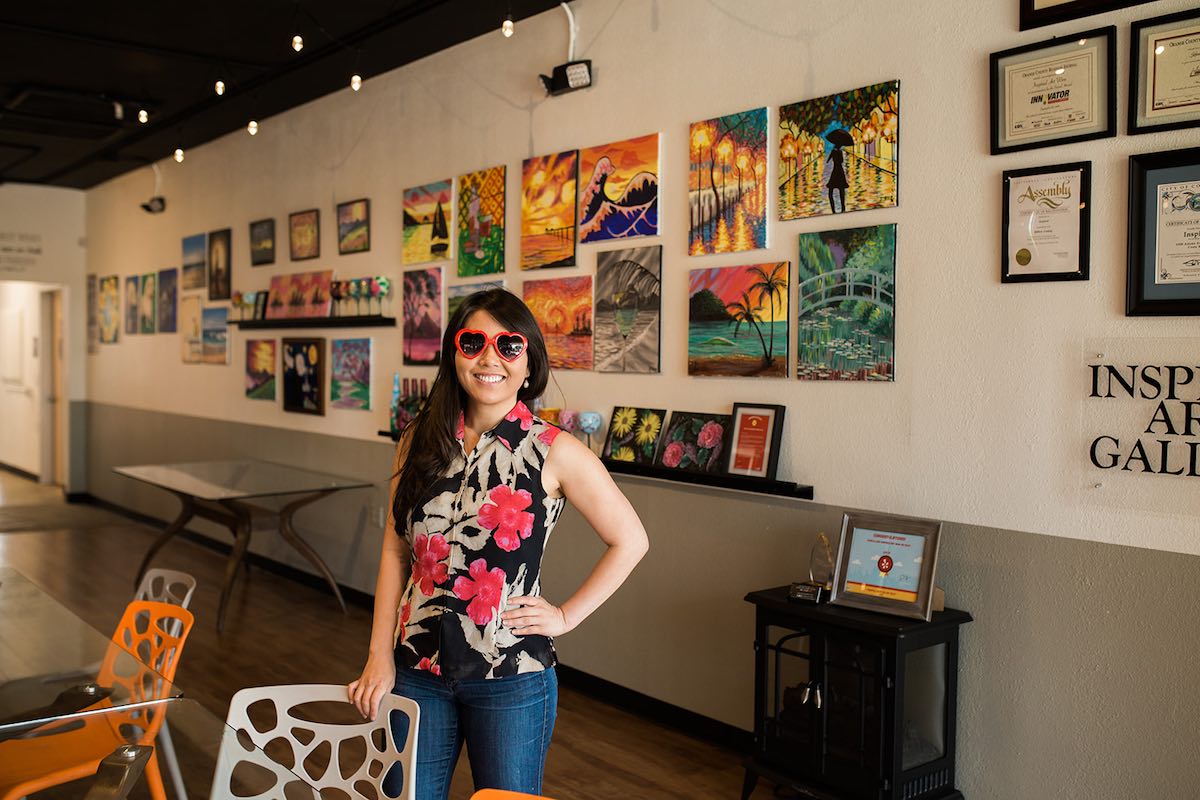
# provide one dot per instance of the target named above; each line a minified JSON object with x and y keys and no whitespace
{"x":839,"y":138}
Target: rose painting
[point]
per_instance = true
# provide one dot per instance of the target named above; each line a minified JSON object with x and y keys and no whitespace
{"x":694,"y":442}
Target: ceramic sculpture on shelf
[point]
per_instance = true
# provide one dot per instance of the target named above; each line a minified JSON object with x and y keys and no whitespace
{"x":335,"y":292}
{"x":589,"y":422}
{"x":568,"y":420}
{"x":385,"y":293}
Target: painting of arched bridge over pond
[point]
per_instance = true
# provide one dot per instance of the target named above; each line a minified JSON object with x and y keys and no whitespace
{"x":846,"y":290}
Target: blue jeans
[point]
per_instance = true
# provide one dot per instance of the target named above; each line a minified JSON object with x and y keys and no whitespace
{"x":505,"y":722}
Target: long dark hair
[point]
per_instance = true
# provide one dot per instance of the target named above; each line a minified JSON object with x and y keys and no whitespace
{"x":432,"y":443}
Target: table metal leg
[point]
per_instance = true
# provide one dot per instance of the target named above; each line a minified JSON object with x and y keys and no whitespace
{"x":185,"y":514}
{"x":241,"y":542}
{"x":291,"y":537}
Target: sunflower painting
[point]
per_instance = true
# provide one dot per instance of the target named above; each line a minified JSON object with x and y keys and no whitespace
{"x":633,"y":434}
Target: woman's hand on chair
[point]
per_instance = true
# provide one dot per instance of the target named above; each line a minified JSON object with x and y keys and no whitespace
{"x":535,"y":615}
{"x":377,"y":679}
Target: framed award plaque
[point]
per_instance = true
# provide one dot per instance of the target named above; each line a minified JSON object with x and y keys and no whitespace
{"x":887,"y":564}
{"x":1164,"y":234}
{"x":754,"y":438}
{"x":1164,"y":73}
{"x":1046,"y":223}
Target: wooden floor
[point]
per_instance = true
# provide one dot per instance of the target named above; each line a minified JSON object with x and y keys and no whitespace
{"x":281,"y":631}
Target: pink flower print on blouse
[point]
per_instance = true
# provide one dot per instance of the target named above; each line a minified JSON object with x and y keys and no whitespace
{"x":710,"y":435}
{"x":484,"y":589}
{"x":522,"y":414}
{"x":405,"y":613}
{"x":506,"y":515}
{"x":429,"y":562}
{"x":548,"y":436}
{"x":673,"y":454}
{"x":426,"y":664}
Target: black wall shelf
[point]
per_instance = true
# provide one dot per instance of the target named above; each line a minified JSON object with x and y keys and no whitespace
{"x":740,"y":483}
{"x":364,"y":321}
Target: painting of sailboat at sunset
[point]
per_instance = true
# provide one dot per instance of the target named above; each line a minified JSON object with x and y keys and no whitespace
{"x":426,"y":232}
{"x":563,"y":309}
{"x":620,"y":198}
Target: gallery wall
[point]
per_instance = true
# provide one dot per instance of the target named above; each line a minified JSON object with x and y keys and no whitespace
{"x":985,"y":422}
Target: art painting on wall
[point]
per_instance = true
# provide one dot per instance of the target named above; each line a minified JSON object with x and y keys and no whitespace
{"x":195,"y":268}
{"x":93,"y":314}
{"x":620,"y":197}
{"x":110,"y":309}
{"x":304,"y":376}
{"x":190,"y":330}
{"x":727,"y":184}
{"x":422,"y":303}
{"x":633,"y":434}
{"x":481,"y":222}
{"x":220,"y":268}
{"x":262,"y":242}
{"x":147,"y":305}
{"x":563,"y":309}
{"x":548,"y":204}
{"x":168,"y":298}
{"x":350,"y":374}
{"x":846,"y":297}
{"x":426,"y":223}
{"x":738,"y":321}
{"x":457,"y":293}
{"x":354,"y":226}
{"x":694,"y":442}
{"x":304,"y":234}
{"x":300,"y":295}
{"x":628,"y":309}
{"x":260,"y":369}
{"x":214,"y":331}
{"x":840,"y":153}
{"x":132,"y":301}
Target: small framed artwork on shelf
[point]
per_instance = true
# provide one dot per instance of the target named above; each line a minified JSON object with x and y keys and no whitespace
{"x":1046,"y":228}
{"x":304,"y":234}
{"x":1036,"y":13}
{"x":1164,"y":234}
{"x":755,"y":434}
{"x":1164,"y":76}
{"x":633,"y":434}
{"x":354,"y":226}
{"x":886,"y":564}
{"x":1054,"y":92}
{"x":694,"y":442}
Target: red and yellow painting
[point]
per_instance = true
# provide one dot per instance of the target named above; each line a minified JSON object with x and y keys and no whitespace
{"x":563,"y":309}
{"x":548,"y":205}
{"x":619,"y":199}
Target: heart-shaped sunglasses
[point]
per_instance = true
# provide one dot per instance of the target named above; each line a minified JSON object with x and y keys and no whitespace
{"x":509,"y":346}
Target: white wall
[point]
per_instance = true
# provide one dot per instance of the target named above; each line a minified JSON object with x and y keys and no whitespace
{"x":20,"y":390}
{"x":983,"y":424}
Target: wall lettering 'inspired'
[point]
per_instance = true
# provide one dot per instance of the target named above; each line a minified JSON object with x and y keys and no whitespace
{"x":1170,"y":442}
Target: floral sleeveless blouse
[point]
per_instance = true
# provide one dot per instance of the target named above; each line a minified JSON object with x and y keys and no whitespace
{"x":476,"y":541}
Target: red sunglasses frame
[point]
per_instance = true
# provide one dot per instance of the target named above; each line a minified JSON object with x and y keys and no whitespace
{"x":490,"y":341}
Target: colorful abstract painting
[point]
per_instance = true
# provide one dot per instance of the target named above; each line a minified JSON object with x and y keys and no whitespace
{"x":727,"y":184}
{"x":350,"y":374}
{"x":133,"y":300}
{"x":426,"y":223}
{"x":195,"y":269}
{"x":168,"y":299}
{"x":840,"y":153}
{"x":457,"y":293}
{"x":563,"y":309}
{"x":304,"y":234}
{"x":214,"y":332}
{"x":633,"y":434}
{"x":422,"y":316}
{"x":304,"y":376}
{"x":300,"y":295}
{"x":694,"y":442}
{"x":190,"y":333}
{"x":148,"y":304}
{"x":110,"y":309}
{"x":354,"y":226}
{"x":628,"y":309}
{"x":260,"y":369}
{"x":481,"y":222}
{"x":262,"y":242}
{"x":548,"y":185}
{"x":846,"y":296}
{"x":738,"y":320}
{"x":620,"y":197}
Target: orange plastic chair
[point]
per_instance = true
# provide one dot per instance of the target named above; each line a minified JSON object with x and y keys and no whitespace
{"x":72,"y":748}
{"x":501,"y":794}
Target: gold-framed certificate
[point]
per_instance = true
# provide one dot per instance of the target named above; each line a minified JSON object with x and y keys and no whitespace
{"x":1164,"y":73}
{"x":1047,"y":228}
{"x":1054,"y":92}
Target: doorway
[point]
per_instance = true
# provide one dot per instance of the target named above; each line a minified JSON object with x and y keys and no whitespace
{"x":50,"y":352}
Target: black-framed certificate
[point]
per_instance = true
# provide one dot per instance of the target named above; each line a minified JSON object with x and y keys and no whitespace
{"x":1047,"y":223}
{"x":1164,"y":234}
{"x":1036,"y":13}
{"x":1054,"y":92}
{"x":1164,"y":73}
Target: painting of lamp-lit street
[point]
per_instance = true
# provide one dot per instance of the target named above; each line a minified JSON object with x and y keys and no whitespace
{"x":727,"y":183}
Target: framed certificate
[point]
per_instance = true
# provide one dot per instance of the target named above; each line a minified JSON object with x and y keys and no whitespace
{"x":754,"y":437}
{"x":1164,"y":234}
{"x":1046,"y":223}
{"x":1036,"y":13}
{"x":1054,"y":92}
{"x":886,"y":564}
{"x":1164,"y":73}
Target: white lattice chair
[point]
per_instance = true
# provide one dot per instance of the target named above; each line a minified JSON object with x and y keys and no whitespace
{"x":363,"y":759}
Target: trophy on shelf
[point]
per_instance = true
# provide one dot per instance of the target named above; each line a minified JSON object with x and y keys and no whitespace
{"x":820,"y":574}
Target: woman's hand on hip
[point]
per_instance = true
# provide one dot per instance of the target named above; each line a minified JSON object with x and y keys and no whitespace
{"x":378,"y":678}
{"x":534,"y":615}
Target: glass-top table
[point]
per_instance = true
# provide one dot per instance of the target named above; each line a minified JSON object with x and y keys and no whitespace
{"x":53,"y":664}
{"x":220,"y":491}
{"x":103,"y":755}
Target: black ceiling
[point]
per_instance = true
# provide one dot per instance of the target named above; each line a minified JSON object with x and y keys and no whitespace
{"x":63,"y":65}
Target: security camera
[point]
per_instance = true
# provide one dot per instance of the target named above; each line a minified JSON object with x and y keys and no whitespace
{"x":155,"y":205}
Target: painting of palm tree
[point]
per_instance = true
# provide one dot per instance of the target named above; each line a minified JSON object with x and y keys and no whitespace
{"x":738,"y":320}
